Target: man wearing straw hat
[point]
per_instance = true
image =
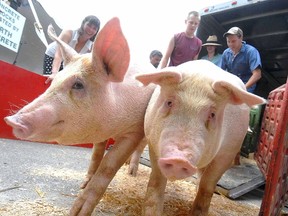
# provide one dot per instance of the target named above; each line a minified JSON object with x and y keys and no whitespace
{"x":212,"y":53}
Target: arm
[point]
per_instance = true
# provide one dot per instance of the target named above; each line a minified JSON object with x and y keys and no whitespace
{"x":223,"y":62}
{"x":196,"y":57}
{"x":256,"y":75}
{"x":200,"y":47}
{"x":255,"y":67}
{"x":66,"y":36}
{"x":168,"y":53}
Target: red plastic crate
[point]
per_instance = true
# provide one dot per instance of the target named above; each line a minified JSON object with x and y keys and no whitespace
{"x":272,"y":153}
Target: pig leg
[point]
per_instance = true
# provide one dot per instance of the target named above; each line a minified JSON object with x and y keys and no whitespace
{"x":97,"y":155}
{"x":135,"y":158}
{"x":154,"y":199}
{"x":96,"y":187}
{"x":237,"y":160}
{"x":208,"y":182}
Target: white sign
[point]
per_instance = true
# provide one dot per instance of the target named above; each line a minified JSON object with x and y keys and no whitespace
{"x":11,"y":27}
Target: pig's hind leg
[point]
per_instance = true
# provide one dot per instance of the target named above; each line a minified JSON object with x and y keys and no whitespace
{"x":96,"y":187}
{"x":96,"y":158}
{"x":135,"y":158}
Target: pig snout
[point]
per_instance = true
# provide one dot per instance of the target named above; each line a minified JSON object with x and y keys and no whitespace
{"x":176,"y":168}
{"x":20,"y":130}
{"x":33,"y":125}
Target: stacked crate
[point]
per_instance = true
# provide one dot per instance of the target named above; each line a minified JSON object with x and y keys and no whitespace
{"x":272,"y":153}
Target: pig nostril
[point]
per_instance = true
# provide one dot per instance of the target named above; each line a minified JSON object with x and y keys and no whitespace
{"x":59,"y":122}
{"x":185,"y":170}
{"x":176,"y":168}
{"x":168,"y":166}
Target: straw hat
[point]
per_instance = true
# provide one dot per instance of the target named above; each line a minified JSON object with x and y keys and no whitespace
{"x":212,"y":41}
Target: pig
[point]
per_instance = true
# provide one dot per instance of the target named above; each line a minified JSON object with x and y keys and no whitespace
{"x":195,"y":122}
{"x":94,"y":98}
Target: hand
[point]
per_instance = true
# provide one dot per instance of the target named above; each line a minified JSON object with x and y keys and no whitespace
{"x":50,"y":78}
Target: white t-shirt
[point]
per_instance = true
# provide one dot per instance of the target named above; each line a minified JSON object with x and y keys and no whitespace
{"x":51,"y":49}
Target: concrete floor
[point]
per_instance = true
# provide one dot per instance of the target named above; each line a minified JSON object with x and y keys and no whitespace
{"x":29,"y":168}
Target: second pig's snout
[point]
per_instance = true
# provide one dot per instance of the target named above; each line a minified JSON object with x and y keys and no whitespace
{"x":176,"y":168}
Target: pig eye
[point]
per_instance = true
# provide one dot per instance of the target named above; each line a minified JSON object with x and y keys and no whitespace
{"x":212,"y":115}
{"x":210,"y":122}
{"x":169,"y":103}
{"x":77,"y":85}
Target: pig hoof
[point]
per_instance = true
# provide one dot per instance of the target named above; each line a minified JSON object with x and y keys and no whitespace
{"x":198,"y":212}
{"x":133,"y":170}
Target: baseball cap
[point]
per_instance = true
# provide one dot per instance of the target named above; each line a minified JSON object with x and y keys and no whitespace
{"x":234,"y":31}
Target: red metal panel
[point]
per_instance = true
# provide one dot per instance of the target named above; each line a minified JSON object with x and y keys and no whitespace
{"x":272,"y":152}
{"x":17,"y":88}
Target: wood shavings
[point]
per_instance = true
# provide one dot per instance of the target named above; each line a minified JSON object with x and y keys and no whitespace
{"x":35,"y":208}
{"x":39,"y":192}
{"x":63,"y":173}
{"x":125,"y":196}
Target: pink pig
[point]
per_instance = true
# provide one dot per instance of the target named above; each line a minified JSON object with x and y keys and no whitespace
{"x":196,"y":121}
{"x":92,"y":99}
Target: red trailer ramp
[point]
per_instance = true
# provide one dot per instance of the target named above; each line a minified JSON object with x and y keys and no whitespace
{"x":272,"y":152}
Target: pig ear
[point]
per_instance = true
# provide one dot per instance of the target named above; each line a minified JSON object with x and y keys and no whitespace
{"x":160,"y":78}
{"x":237,"y":95}
{"x":67,"y":51}
{"x":112,"y":49}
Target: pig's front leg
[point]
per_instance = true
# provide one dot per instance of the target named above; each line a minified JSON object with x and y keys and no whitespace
{"x":96,"y":158}
{"x":96,"y":187}
{"x":208,"y":182}
{"x":154,"y":199}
